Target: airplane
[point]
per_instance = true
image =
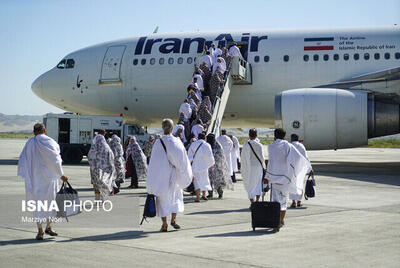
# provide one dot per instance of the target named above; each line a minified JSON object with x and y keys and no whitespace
{"x":335,"y":88}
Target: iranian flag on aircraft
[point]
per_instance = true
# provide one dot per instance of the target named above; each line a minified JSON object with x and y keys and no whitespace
{"x":318,"y":43}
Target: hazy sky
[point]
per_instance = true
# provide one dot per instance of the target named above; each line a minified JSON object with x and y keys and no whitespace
{"x":35,"y":34}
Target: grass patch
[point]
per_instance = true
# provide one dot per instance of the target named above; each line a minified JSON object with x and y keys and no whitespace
{"x":14,"y":135}
{"x":264,"y":141}
{"x":389,"y":143}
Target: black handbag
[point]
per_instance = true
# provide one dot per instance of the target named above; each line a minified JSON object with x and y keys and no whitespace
{"x":65,"y":195}
{"x":310,"y":187}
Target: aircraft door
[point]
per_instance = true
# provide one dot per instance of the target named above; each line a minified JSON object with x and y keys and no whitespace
{"x":111,"y":68}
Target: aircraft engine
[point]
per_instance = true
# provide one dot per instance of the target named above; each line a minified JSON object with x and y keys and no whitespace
{"x":327,"y":118}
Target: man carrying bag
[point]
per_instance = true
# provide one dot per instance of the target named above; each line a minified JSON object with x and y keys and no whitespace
{"x":253,"y":166}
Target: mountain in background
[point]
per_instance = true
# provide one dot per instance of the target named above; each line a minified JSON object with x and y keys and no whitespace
{"x":24,"y":123}
{"x":18,"y":123}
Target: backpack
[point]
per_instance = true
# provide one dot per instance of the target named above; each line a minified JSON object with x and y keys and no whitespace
{"x":310,"y":187}
{"x":149,"y":208}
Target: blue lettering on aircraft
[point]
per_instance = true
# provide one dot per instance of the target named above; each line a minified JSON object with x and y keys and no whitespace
{"x":177,"y":45}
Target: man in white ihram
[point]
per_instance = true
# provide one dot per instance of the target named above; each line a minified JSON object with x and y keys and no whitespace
{"x":234,"y":51}
{"x":227,"y":146}
{"x":202,"y":158}
{"x":253,"y":163}
{"x":40,"y":165}
{"x":294,"y":138}
{"x":285,"y":168}
{"x":169,"y":172}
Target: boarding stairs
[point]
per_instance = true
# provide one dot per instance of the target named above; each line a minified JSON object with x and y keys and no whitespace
{"x":238,"y":73}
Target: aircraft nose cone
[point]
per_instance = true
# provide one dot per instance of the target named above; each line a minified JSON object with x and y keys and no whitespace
{"x":37,"y":86}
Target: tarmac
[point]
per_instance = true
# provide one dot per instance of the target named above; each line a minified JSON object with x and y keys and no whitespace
{"x":354,"y":221}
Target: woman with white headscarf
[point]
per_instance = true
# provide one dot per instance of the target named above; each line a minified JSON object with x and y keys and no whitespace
{"x":119,"y":161}
{"x":136,"y":163}
{"x":102,"y":169}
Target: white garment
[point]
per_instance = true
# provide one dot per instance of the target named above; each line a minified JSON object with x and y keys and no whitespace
{"x":285,"y":167}
{"x":213,"y":55}
{"x":235,"y":154}
{"x":168,"y":173}
{"x":208,"y":60}
{"x":219,"y":66}
{"x":300,"y":147}
{"x":196,"y":129}
{"x":218,"y":52}
{"x":227,"y":145}
{"x":234,"y":51}
{"x":182,"y":134}
{"x":252,"y":169}
{"x":40,"y":165}
{"x":185,"y":110}
{"x":279,"y":196}
{"x":193,"y":104}
{"x":200,"y":83}
{"x":202,"y":158}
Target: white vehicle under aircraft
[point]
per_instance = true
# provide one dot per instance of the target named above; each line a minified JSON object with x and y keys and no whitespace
{"x":335,"y":88}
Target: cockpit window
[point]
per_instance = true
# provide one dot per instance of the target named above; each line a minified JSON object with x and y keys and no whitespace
{"x":61,"y":65}
{"x":70,"y":63}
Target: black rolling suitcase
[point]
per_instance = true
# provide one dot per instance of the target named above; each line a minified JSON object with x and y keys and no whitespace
{"x":265,"y":214}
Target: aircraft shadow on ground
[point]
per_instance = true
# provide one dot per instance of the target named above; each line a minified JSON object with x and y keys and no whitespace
{"x":367,"y":172}
{"x":241,"y":233}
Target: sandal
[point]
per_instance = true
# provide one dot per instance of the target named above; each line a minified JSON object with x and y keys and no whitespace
{"x":39,"y":236}
{"x":204,"y":198}
{"x":293,"y":205}
{"x":49,"y":231}
{"x":164,"y":228}
{"x":175,"y":225}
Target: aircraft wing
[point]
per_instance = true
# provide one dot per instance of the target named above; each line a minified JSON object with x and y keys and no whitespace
{"x":375,"y":77}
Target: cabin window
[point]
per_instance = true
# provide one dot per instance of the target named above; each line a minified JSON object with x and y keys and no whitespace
{"x":336,"y":57}
{"x":366,"y":56}
{"x":316,"y":57}
{"x":61,"y":65}
{"x":180,"y":60}
{"x":135,"y":61}
{"x":152,"y":61}
{"x":266,"y":58}
{"x":346,"y":56}
{"x":143,"y":62}
{"x":189,"y":60}
{"x":256,"y":58}
{"x":356,"y":56}
{"x":70,"y":63}
{"x":377,"y":56}
{"x":397,"y":55}
{"x":387,"y":56}
{"x":306,"y":57}
{"x":326,"y":57}
{"x":171,"y":61}
{"x":286,"y":58}
{"x":161,"y":61}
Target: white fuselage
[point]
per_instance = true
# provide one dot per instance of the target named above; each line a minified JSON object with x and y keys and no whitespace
{"x":147,"y":93}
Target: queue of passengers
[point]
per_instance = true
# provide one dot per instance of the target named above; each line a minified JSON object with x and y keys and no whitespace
{"x":209,"y":165}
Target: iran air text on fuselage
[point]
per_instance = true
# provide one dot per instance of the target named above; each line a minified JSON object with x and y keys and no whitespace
{"x":178,"y":45}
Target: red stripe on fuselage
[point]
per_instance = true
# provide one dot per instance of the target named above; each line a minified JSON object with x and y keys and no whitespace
{"x":318,"y":48}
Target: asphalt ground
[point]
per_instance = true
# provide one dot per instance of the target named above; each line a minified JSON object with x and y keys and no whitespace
{"x":354,"y":221}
